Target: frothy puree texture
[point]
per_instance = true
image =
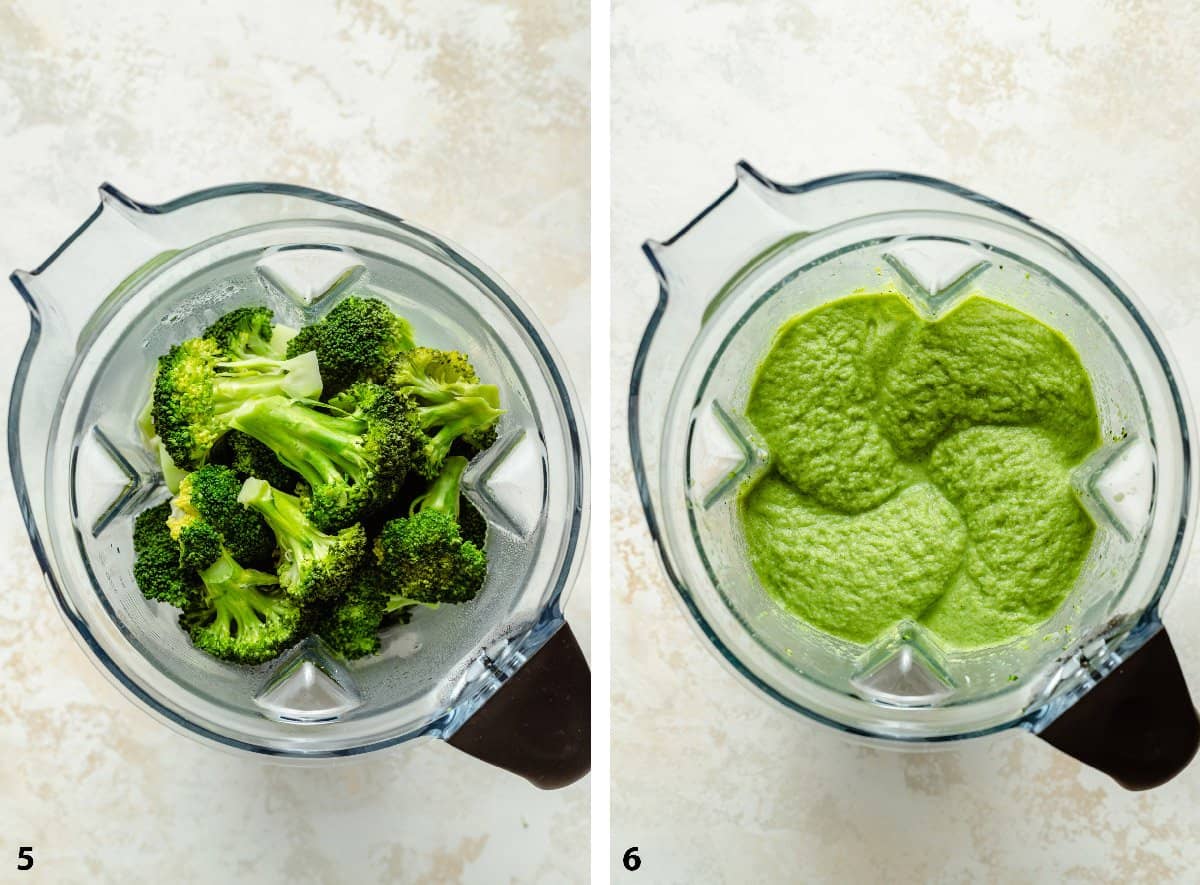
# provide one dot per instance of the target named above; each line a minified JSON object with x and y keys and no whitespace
{"x":920,"y":469}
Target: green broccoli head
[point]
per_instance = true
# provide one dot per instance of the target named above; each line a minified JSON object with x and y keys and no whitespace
{"x":156,"y":567}
{"x":423,"y":557}
{"x":352,"y":454}
{"x":356,"y":341}
{"x":184,"y":407}
{"x":313,"y":565}
{"x":449,"y":403}
{"x":351,"y":626}
{"x":207,"y":517}
{"x":199,"y":383}
{"x":245,"y":332}
{"x":248,"y":457}
{"x":241,"y":616}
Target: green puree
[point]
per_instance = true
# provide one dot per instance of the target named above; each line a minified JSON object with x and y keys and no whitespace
{"x":920,"y":469}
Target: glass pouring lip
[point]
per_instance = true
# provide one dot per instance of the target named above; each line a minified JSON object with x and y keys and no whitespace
{"x":538,"y":632}
{"x":1148,"y":621}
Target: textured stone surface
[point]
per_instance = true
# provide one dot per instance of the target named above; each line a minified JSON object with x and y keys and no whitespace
{"x":468,"y":117}
{"x":1079,"y":113}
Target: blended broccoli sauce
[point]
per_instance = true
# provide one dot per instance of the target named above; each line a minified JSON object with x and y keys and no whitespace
{"x":920,"y":469}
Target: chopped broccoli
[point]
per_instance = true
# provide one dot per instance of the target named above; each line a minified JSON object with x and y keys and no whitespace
{"x":356,"y":341}
{"x":351,"y":627}
{"x":244,"y":333}
{"x":241,"y":616}
{"x":249,"y":457}
{"x":263,"y":471}
{"x":156,"y":567}
{"x":247,"y":332}
{"x":353,"y":453}
{"x":203,"y":379}
{"x":312,"y":565}
{"x":423,"y":557}
{"x":207,"y":517}
{"x":450,"y":403}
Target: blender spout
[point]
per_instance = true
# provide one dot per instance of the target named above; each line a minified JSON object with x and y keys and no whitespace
{"x":111,"y":249}
{"x":714,"y":249}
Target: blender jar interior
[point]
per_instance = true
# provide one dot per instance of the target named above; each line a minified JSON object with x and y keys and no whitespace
{"x":431,"y":673}
{"x":905,"y":685}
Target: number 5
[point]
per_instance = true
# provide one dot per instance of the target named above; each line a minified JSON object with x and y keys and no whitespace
{"x":25,"y":857}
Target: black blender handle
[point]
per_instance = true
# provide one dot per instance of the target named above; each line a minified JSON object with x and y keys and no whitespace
{"x":1138,"y":724}
{"x":538,"y":725}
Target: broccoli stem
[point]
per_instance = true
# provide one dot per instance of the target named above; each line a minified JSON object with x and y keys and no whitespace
{"x":225,"y":574}
{"x":395,"y":603}
{"x":299,"y":539}
{"x":240,"y":609}
{"x":460,"y":413}
{"x":283,"y":514}
{"x":318,"y":446}
{"x":443,"y":493}
{"x":238,"y":381}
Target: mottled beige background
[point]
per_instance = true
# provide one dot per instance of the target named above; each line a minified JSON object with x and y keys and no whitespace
{"x":468,"y":117}
{"x":1083,"y":114}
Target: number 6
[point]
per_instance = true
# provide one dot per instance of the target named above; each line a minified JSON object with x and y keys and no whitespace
{"x":631,"y":860}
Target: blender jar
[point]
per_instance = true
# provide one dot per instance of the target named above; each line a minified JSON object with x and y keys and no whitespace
{"x":501,"y":677}
{"x":1100,"y":679}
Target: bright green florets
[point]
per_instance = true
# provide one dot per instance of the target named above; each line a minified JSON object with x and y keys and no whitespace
{"x":156,"y":566}
{"x":248,"y":457}
{"x":246,"y":332}
{"x":352,"y":454}
{"x":423,"y":557}
{"x":242,"y":616}
{"x":202,"y":380}
{"x":357,"y":341}
{"x":449,"y":403}
{"x":313,"y":565}
{"x":279,"y":526}
{"x":351,"y":626}
{"x":206,"y":516}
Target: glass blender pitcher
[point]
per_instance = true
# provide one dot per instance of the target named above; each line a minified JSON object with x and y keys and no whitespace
{"x":1100,"y":680}
{"x":500,"y":677}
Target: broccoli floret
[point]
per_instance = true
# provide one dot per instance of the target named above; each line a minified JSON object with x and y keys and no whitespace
{"x":172,"y":475}
{"x":206,"y":517}
{"x":312,"y":565}
{"x":156,"y":568}
{"x":443,"y":424}
{"x":245,"y":332}
{"x":356,"y":341}
{"x":450,"y":403}
{"x":471,"y":524}
{"x":241,"y":616}
{"x":200,"y":381}
{"x":351,"y":627}
{"x":249,"y":457}
{"x":423,"y":557}
{"x":353,"y":453}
